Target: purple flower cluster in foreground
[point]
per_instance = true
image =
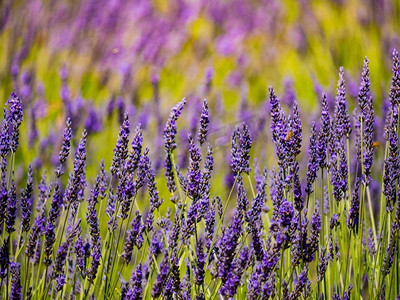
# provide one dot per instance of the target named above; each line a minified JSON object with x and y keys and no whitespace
{"x":313,"y":226}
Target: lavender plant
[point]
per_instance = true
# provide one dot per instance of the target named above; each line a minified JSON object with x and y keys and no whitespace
{"x":312,"y":225}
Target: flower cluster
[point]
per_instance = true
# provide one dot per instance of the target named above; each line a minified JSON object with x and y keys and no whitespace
{"x":276,"y":233}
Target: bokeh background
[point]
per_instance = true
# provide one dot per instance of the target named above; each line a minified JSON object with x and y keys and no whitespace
{"x":91,"y":60}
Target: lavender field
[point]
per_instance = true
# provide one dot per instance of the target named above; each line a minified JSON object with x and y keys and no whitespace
{"x":200,"y":149}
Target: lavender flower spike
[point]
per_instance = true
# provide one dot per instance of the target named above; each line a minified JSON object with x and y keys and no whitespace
{"x":365,"y":101}
{"x":16,"y":287}
{"x":324,"y":133}
{"x":65,"y":147}
{"x":241,"y":145}
{"x":14,"y":120}
{"x":11,"y":208}
{"x":312,"y":166}
{"x":26,"y":201}
{"x":204,"y":123}
{"x":194,"y":172}
{"x":394,"y":93}
{"x":170,"y":128}
{"x":342,"y":118}
{"x":121,"y":148}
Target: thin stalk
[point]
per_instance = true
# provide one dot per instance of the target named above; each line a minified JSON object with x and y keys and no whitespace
{"x":63,"y":228}
{"x":372,"y":216}
{"x":116,"y":250}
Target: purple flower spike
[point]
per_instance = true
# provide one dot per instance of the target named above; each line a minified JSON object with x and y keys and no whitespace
{"x":76,"y":179}
{"x":241,"y":145}
{"x":134,"y":155}
{"x":11,"y":208}
{"x":65,"y":147}
{"x":5,"y":136}
{"x":199,"y":271}
{"x":238,"y":268}
{"x":324,"y":133}
{"x":26,"y":201}
{"x":301,"y":285}
{"x":134,"y":237}
{"x":16,"y":287}
{"x":394,"y":93}
{"x":391,"y":166}
{"x":228,"y":244}
{"x":296,"y":129}
{"x":60,"y":282}
{"x":35,"y":233}
{"x":342,"y":118}
{"x":170,"y":128}
{"x":121,"y":148}
{"x":204,"y":123}
{"x":279,"y":128}
{"x":169,"y":172}
{"x":80,"y":256}
{"x":286,"y":213}
{"x":312,"y":166}
{"x":322,"y":264}
{"x":367,"y":109}
{"x":50,"y":233}
{"x":96,"y":256}
{"x":135,"y":293}
{"x":14,"y":120}
{"x":194,"y":172}
{"x":313,"y":241}
{"x":205,"y":183}
{"x":162,"y":277}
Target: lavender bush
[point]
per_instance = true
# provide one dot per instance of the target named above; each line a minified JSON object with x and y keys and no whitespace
{"x":321,"y":222}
